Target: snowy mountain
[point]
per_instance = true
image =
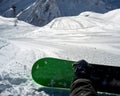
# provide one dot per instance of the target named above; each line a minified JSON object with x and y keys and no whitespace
{"x":40,"y":12}
{"x":6,"y":6}
{"x":91,"y":36}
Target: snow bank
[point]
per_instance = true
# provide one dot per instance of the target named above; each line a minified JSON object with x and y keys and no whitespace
{"x":15,"y":73}
{"x":86,"y":20}
{"x":11,"y":28}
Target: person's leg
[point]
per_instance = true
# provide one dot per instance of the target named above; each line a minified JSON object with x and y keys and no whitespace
{"x":82,"y":86}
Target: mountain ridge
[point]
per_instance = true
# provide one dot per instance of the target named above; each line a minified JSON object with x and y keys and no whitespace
{"x":41,"y":12}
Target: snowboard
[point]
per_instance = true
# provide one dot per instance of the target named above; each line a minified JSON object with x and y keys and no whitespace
{"x":58,"y":73}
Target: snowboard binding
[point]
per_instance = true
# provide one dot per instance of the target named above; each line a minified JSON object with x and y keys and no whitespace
{"x":81,"y":69}
{"x":103,"y":78}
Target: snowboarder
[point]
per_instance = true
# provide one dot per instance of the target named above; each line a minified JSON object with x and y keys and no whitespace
{"x":81,"y":85}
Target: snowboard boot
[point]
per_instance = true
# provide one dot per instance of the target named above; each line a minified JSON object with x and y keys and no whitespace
{"x":81,"y":70}
{"x":81,"y":85}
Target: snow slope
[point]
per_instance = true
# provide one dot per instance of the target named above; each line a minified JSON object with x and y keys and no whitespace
{"x":91,"y":36}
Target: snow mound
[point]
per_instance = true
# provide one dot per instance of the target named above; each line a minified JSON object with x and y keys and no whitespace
{"x":86,"y":20}
{"x":113,"y":15}
{"x":70,"y":23}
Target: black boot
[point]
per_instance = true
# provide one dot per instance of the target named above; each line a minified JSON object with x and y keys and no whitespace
{"x":82,"y":85}
{"x":81,"y":69}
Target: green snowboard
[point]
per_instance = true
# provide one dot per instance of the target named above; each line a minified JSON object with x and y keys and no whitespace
{"x":53,"y":72}
{"x":58,"y":73}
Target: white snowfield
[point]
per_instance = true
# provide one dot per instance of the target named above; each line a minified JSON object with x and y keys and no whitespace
{"x":90,"y":36}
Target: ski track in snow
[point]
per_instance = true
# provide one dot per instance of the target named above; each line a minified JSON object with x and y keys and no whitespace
{"x":88,"y":38}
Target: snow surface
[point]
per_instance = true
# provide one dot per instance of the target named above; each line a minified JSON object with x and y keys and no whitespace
{"x":91,"y":36}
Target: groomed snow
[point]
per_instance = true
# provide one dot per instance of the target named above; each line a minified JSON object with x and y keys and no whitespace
{"x":90,"y":36}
